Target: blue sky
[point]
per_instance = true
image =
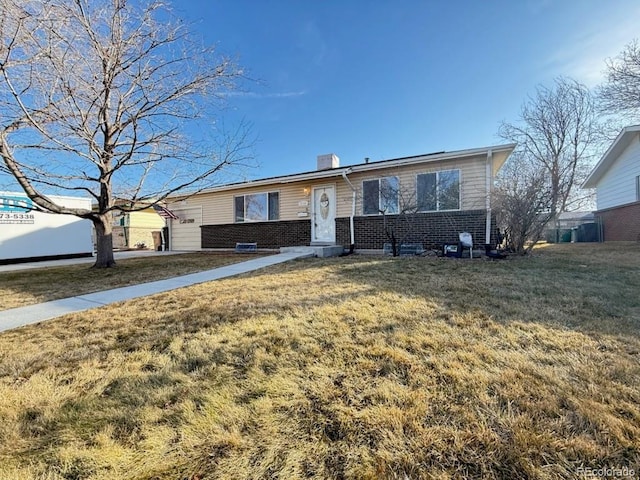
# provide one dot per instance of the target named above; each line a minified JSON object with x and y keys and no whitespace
{"x":387,"y":79}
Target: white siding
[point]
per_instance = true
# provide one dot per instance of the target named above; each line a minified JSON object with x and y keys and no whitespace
{"x":618,"y":185}
{"x":185,"y":232}
{"x":472,"y":183}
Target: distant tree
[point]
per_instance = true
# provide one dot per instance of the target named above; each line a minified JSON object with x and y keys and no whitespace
{"x":556,"y":134}
{"x":103,"y":98}
{"x":620,"y":93}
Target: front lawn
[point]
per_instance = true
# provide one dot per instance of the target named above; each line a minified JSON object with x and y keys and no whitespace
{"x":343,"y":368}
{"x":27,"y":287}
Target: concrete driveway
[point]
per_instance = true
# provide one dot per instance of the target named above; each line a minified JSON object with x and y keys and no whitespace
{"x":75,"y":261}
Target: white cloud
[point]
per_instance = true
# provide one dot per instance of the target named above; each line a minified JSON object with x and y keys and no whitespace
{"x":584,"y":55}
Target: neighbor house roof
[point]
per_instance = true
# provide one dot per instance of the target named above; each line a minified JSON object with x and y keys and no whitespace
{"x":622,"y":141}
{"x":576,"y":215}
{"x":500,"y":154}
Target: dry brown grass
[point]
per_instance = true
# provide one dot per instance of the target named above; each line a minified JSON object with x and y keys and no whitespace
{"x":27,"y":287}
{"x":347,"y":368}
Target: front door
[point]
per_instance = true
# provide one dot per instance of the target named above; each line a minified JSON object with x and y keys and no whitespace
{"x":323,"y":221}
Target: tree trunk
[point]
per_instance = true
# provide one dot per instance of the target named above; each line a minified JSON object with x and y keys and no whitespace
{"x":104,"y":242}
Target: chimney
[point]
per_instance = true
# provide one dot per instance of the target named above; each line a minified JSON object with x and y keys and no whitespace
{"x":328,"y":161}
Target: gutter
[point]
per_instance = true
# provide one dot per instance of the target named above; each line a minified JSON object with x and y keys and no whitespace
{"x":353,"y":208}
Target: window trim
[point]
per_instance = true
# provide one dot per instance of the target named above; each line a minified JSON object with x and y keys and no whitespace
{"x":437,"y":173}
{"x":378,"y":212}
{"x":244,"y":203}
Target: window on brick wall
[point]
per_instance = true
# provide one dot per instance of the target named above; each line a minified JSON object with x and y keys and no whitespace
{"x":438,"y":191}
{"x":380,"y":196}
{"x":257,"y":207}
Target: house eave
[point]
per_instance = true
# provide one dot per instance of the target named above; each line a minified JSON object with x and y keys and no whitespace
{"x":622,"y":141}
{"x":500,"y":154}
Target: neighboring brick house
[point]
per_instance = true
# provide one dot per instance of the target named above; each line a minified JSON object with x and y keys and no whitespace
{"x":426,"y":199}
{"x":616,"y":179}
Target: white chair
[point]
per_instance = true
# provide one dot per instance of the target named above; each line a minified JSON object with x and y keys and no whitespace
{"x":466,"y":241}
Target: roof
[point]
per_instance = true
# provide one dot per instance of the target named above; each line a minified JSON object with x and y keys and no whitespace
{"x":500,"y":154}
{"x":576,"y":215}
{"x":622,"y":141}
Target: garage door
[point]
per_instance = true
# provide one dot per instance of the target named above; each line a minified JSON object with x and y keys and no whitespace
{"x":185,"y":231}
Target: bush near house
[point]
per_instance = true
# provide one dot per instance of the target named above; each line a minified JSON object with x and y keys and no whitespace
{"x":342,"y":368}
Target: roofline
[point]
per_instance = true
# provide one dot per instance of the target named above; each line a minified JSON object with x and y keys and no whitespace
{"x":621,"y":142}
{"x":364,"y":167}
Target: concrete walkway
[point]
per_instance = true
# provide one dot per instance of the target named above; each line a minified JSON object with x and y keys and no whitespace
{"x":17,"y":317}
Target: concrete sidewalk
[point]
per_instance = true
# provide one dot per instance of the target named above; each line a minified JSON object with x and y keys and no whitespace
{"x":17,"y":317}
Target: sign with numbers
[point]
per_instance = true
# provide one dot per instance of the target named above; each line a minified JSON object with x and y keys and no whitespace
{"x":18,"y":218}
{"x":17,"y":210}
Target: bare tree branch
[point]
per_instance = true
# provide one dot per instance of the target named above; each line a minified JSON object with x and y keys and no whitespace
{"x":557,"y":134}
{"x":108,"y":97}
{"x":620,"y":94}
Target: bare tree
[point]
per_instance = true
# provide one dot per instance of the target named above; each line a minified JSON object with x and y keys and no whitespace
{"x":521,"y":202}
{"x":556,"y":134}
{"x":107,"y":98}
{"x":401,"y":204}
{"x":398,"y":208}
{"x":620,"y":94}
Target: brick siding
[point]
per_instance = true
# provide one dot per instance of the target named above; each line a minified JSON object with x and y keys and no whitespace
{"x":621,"y":223}
{"x":431,"y":229}
{"x":265,"y":234}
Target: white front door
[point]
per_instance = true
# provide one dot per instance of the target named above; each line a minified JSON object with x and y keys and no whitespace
{"x":323,"y":221}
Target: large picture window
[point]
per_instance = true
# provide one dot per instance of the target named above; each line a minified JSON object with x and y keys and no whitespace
{"x":380,"y":196}
{"x":439,"y":191}
{"x":257,"y":207}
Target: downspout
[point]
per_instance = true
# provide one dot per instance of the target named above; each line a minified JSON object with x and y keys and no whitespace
{"x":353,"y":209}
{"x":489,"y":182}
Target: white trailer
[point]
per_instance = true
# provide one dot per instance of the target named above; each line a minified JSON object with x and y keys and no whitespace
{"x":26,"y":234}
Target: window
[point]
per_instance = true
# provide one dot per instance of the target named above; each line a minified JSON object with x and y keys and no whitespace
{"x":257,"y":207}
{"x":380,"y":196}
{"x":439,"y":191}
{"x":638,"y":188}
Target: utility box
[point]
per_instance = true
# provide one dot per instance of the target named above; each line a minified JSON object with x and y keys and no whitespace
{"x":587,"y":232}
{"x":26,"y":234}
{"x":452,"y":250}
